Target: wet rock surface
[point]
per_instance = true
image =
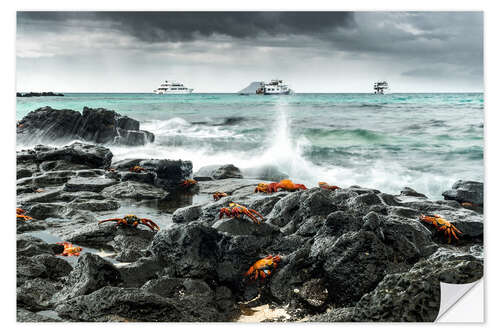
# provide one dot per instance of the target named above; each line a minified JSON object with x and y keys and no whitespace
{"x":466,"y":191}
{"x":354,"y":254}
{"x":92,"y":125}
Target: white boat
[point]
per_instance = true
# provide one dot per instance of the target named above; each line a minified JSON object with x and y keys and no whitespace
{"x":381,"y":87}
{"x":275,"y":87}
{"x":171,"y":88}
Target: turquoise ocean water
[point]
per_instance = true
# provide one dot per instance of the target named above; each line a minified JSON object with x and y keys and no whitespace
{"x":425,"y":141}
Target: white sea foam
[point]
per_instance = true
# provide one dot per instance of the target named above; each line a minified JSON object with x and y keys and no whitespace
{"x":177,"y":126}
{"x":287,"y":155}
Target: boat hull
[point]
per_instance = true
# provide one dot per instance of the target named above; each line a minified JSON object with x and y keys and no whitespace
{"x":189,"y":91}
{"x":278,"y":93}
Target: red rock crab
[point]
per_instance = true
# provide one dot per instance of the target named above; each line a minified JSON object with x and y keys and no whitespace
{"x":133,"y":221}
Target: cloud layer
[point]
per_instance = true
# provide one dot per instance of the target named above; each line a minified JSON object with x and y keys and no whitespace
{"x":223,"y":51}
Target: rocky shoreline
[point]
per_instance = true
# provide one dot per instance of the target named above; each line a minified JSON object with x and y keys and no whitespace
{"x":350,"y":254}
{"x":39,"y":94}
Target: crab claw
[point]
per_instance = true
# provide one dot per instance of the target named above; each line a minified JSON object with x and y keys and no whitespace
{"x":150,"y":224}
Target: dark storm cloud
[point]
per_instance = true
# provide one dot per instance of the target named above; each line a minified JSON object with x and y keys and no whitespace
{"x":186,"y":26}
{"x":411,"y":47}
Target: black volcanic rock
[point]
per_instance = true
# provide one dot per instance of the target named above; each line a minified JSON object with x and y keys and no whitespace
{"x":164,"y":173}
{"x":415,"y":295}
{"x":211,"y":172}
{"x":93,"y":125}
{"x":78,"y":155}
{"x":358,"y":252}
{"x":39,"y":94}
{"x":465,"y":191}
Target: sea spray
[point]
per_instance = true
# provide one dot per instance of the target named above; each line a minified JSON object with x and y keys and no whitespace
{"x":424,"y":141}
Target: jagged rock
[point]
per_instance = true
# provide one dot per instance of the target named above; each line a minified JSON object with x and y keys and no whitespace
{"x":470,"y":223}
{"x":48,"y":195}
{"x":244,"y":226}
{"x":126,"y":164}
{"x":134,"y":190}
{"x":92,"y":156}
{"x":28,"y":246}
{"x":24,"y":170}
{"x":334,"y":315}
{"x":135,"y":304}
{"x":133,"y":137}
{"x":314,"y":292}
{"x":169,"y":173}
{"x":190,"y":250}
{"x":141,"y":271}
{"x":206,"y":172}
{"x":35,"y":295}
{"x":110,"y":236}
{"x":237,"y":254}
{"x":45,"y":266}
{"x":58,"y":165}
{"x":293,"y":272}
{"x":91,"y":273}
{"x":39,"y":94}
{"x":465,"y":191}
{"x":415,"y":295}
{"x":354,"y":264}
{"x":165,"y":173}
{"x":142,"y":177}
{"x":82,"y":195}
{"x":187,"y":214}
{"x":292,"y":210}
{"x":131,"y":244}
{"x":88,"y":184}
{"x":41,"y":211}
{"x":211,"y":172}
{"x":93,"y":235}
{"x":266,"y":172}
{"x":409,"y":192}
{"x":52,"y":178}
{"x":228,"y":186}
{"x":94,"y":205}
{"x":337,"y":249}
{"x":25,"y":316}
{"x":197,"y":293}
{"x":127,"y":303}
{"x":95,"y":125}
{"x":227,"y":171}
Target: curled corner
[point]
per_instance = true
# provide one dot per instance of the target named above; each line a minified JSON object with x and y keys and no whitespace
{"x":451,"y":294}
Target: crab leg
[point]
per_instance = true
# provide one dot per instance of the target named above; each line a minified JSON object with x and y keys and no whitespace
{"x":109,"y":220}
{"x":251,"y":216}
{"x":256,"y":212}
{"x":149,"y":223}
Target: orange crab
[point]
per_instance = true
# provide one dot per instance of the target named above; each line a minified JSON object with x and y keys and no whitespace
{"x":218,"y":195}
{"x":441,"y":225}
{"x":133,"y":221}
{"x":263,"y":268}
{"x":70,"y":250}
{"x":20,"y":215}
{"x":285,"y":184}
{"x":188,"y":183}
{"x":136,"y":169}
{"x":327,"y":186}
{"x":236,"y":210}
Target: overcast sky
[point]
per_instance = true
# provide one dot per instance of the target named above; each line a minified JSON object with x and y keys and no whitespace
{"x":224,"y":51}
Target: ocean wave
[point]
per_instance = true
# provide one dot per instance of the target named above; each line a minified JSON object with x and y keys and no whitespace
{"x":329,"y":137}
{"x":176,"y":129}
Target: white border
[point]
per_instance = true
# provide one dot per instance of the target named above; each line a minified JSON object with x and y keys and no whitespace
{"x":7,"y":133}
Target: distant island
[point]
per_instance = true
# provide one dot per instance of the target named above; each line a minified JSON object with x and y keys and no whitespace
{"x":36,"y":94}
{"x":251,"y":88}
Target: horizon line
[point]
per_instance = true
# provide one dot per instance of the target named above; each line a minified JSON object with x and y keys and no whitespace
{"x":208,"y":92}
